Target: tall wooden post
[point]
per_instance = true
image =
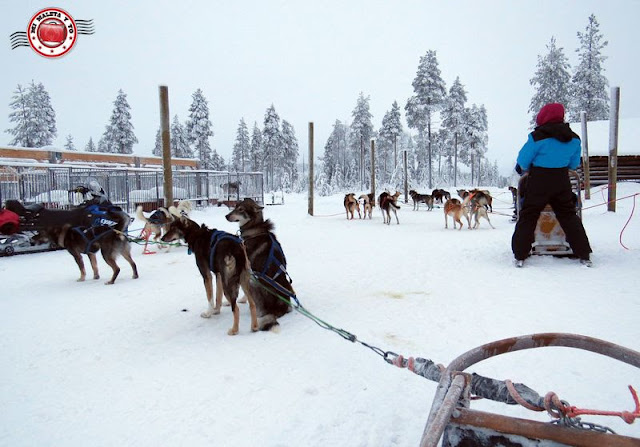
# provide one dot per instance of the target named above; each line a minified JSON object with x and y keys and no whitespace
{"x":406,"y":178}
{"x":166,"y":145}
{"x":613,"y":147}
{"x":310,"y":203}
{"x":373,"y":167}
{"x":585,"y":156}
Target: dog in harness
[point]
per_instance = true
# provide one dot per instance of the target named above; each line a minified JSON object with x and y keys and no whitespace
{"x":271,"y":290}
{"x":222,"y":254}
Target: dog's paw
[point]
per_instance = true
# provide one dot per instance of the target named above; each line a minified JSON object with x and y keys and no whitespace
{"x":232,"y":332}
{"x":225,"y":303}
{"x":207,"y":313}
{"x":108,"y":283}
{"x":255,"y":328}
{"x":96,"y":276}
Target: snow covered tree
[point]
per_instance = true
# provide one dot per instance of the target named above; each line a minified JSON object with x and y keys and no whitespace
{"x":334,"y":156}
{"x":289,"y":155}
{"x":476,"y":137}
{"x":589,"y":84}
{"x":429,"y":93}
{"x":157,"y":148}
{"x":388,"y":140}
{"x":256,"y":148}
{"x":178,"y":140}
{"x":551,"y":80}
{"x":216,"y":162}
{"x":34,"y":117}
{"x":361,"y":132}
{"x":68,"y":145}
{"x":90,"y":147}
{"x":21,"y":116}
{"x":241,"y":155}
{"x":453,"y":120}
{"x":198,"y":129}
{"x":119,"y":137}
{"x":271,"y":145}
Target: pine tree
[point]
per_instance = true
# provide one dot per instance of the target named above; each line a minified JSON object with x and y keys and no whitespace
{"x":453,"y":119}
{"x":21,"y":115}
{"x":119,"y":137}
{"x":241,"y":155}
{"x":43,"y":115}
{"x":216,"y":162}
{"x":429,"y":93}
{"x":90,"y":147}
{"x":476,"y":137}
{"x":589,"y":84}
{"x":198,"y":129}
{"x":289,"y":155}
{"x":157,"y":148}
{"x":34,"y":117}
{"x":271,"y":145}
{"x":552,"y":80}
{"x":256,"y":155}
{"x":388,"y":138}
{"x":68,"y":145}
{"x":178,"y":140}
{"x":361,"y":131}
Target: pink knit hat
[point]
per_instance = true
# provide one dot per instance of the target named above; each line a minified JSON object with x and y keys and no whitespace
{"x":550,"y":113}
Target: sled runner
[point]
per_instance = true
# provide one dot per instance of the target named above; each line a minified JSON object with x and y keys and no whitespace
{"x":550,"y":239}
{"x":452,"y":420}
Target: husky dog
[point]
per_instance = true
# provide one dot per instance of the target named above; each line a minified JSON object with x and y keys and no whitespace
{"x":366,"y":205}
{"x":77,"y":241}
{"x":267,"y":261}
{"x":440,"y":195}
{"x":482,"y":197}
{"x":223,"y":254}
{"x":424,"y":198}
{"x":478,"y":211}
{"x":157,"y":224}
{"x":351,"y":205}
{"x":387,"y":205}
{"x":454,"y":208}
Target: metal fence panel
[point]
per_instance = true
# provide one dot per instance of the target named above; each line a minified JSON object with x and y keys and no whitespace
{"x":127,"y":188}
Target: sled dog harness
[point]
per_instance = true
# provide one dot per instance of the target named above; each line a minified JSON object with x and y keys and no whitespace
{"x":216,"y":237}
{"x":89,"y":234}
{"x":281,"y":267}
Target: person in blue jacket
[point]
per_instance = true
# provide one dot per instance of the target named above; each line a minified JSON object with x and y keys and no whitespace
{"x":551,"y":150}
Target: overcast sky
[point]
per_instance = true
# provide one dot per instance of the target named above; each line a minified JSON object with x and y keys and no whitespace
{"x":310,"y":59}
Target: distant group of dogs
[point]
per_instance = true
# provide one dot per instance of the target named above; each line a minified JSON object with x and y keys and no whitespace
{"x":233,"y":260}
{"x":475,"y":204}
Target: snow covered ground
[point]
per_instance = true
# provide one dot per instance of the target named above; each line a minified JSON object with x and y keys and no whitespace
{"x":134,"y":364}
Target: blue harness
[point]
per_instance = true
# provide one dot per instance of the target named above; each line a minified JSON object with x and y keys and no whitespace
{"x":281,"y":268}
{"x":216,"y":237}
{"x":100,"y":220}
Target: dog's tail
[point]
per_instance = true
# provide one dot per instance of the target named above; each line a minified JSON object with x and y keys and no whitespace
{"x":140,"y":215}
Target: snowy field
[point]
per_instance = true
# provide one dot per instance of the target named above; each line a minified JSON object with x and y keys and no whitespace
{"x":134,"y":364}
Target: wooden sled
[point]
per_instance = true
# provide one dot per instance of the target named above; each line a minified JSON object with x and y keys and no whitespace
{"x":456,"y":425}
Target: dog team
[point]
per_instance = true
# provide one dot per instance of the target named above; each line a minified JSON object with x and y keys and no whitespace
{"x":475,"y":204}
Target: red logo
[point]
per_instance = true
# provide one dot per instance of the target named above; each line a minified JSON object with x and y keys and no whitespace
{"x":52,"y":32}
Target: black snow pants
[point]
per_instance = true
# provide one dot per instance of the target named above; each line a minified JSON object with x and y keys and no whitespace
{"x":549,"y":186}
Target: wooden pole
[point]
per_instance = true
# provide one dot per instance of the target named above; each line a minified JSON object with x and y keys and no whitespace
{"x":166,"y":145}
{"x":373,"y":167}
{"x":613,"y":147}
{"x":406,"y":178}
{"x":585,"y":156}
{"x":310,"y":203}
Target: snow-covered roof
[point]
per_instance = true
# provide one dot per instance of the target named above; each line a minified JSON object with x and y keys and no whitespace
{"x":598,"y":135}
